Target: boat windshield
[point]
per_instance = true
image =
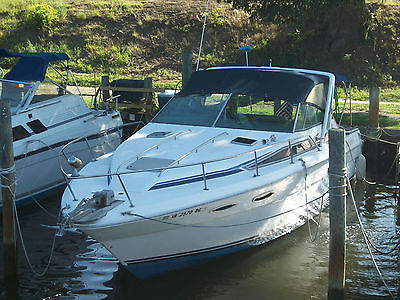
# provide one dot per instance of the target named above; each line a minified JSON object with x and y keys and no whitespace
{"x":196,"y":110}
{"x":245,"y":111}
{"x":229,"y":111}
{"x":14,"y":91}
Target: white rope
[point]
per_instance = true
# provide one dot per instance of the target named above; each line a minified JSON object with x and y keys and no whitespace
{"x":312,"y":239}
{"x":7,"y":171}
{"x":366,"y":238}
{"x":202,"y":36}
{"x":3,"y":177}
{"x":24,"y":248}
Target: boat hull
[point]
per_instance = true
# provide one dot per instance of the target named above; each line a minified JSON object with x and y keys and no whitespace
{"x":152,"y":246}
{"x":37,"y":174}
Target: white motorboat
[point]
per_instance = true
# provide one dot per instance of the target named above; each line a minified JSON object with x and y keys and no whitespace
{"x":236,"y":159}
{"x":46,"y":116}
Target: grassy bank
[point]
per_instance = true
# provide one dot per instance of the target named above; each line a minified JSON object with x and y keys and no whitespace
{"x":138,"y":39}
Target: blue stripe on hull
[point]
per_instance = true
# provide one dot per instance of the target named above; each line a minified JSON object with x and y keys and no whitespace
{"x":160,"y":266}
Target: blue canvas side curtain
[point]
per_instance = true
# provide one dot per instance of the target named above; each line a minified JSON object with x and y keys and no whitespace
{"x":31,"y":66}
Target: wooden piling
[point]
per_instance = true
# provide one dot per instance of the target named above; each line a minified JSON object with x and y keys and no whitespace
{"x":187,"y":65}
{"x":7,"y":192}
{"x":374,"y":106}
{"x":148,"y":84}
{"x":337,"y":214}
{"x":105,"y":82}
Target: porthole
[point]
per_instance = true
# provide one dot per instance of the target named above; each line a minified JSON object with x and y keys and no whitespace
{"x":225,"y":207}
{"x":263,"y":196}
{"x":36,"y":126}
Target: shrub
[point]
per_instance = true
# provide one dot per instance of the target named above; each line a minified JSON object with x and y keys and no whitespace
{"x":41,"y":16}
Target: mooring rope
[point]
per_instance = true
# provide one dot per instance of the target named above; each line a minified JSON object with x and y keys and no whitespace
{"x":24,"y":247}
{"x":3,"y":173}
{"x":16,"y":217}
{"x":379,"y":137}
{"x":43,"y":208}
{"x":312,"y":239}
{"x":366,"y":239}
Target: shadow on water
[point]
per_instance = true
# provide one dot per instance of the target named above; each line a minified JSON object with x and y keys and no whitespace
{"x":291,"y":267}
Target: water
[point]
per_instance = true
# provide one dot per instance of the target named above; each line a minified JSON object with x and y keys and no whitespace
{"x":291,"y":267}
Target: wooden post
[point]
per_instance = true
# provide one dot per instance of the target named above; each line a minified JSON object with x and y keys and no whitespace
{"x":398,"y":184}
{"x":148,"y":84}
{"x":105,"y":82}
{"x":7,"y":192}
{"x":337,"y":214}
{"x":187,"y":65}
{"x":373,"y":106}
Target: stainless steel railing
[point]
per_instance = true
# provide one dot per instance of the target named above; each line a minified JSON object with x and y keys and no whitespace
{"x":275,"y":146}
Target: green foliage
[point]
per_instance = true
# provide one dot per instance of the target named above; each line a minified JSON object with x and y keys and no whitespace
{"x":62,"y":10}
{"x":215,"y":58}
{"x":296,"y":35}
{"x":182,"y":28}
{"x":292,"y":10}
{"x":215,"y":18}
{"x":41,"y":16}
{"x":81,"y":16}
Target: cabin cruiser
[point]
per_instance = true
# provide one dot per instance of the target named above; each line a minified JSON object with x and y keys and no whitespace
{"x":237,"y":158}
{"x":45,"y":116}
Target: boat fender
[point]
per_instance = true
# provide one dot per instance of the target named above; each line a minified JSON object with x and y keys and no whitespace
{"x":361,"y":166}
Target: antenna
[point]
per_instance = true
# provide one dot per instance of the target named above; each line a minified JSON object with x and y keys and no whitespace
{"x":202,"y":35}
{"x":246,"y":49}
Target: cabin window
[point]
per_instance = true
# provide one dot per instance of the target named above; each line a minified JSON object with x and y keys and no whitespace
{"x":308,"y":116}
{"x":46,"y":92}
{"x":257,"y":113}
{"x":36,"y":126}
{"x":14,"y":92}
{"x":283,"y":153}
{"x":301,"y":147}
{"x":19,"y":133}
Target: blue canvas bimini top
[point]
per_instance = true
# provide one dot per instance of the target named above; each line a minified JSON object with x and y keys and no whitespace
{"x":272,"y":84}
{"x":31,"y":66}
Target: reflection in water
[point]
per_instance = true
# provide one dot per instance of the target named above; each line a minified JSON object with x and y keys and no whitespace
{"x":289,"y":268}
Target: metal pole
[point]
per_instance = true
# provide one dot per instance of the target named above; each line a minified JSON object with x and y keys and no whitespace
{"x":202,"y":36}
{"x":7,"y":193}
{"x":204,"y":177}
{"x":337,"y":214}
{"x":256,"y":161}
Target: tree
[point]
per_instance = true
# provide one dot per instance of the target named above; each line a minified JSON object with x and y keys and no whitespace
{"x":290,"y":10}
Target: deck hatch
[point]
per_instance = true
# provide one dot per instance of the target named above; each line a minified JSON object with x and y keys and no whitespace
{"x":146,"y":163}
{"x":159,"y":134}
{"x":243,"y":141}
